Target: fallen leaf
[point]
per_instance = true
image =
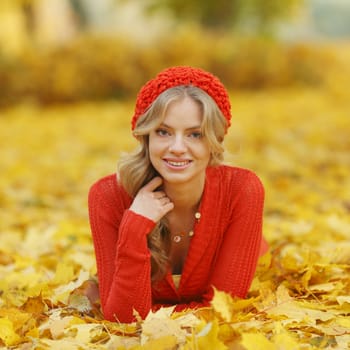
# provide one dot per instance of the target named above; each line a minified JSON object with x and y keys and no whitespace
{"x":7,"y":332}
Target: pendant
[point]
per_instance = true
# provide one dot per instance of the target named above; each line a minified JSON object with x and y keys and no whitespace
{"x":178,"y":238}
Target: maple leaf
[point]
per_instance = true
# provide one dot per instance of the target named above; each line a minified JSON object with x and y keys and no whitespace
{"x":160,"y":324}
{"x":227,"y":306}
{"x":35,"y":305}
{"x":207,"y":338}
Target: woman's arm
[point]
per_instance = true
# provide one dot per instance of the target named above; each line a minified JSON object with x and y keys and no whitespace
{"x":242,"y":242}
{"x":122,"y":255}
{"x":120,"y":240}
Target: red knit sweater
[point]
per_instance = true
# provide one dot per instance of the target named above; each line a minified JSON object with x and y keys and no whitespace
{"x":223,"y":252}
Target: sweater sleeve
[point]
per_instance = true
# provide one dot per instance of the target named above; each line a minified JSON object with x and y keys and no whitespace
{"x":242,"y":242}
{"x":122,"y":255}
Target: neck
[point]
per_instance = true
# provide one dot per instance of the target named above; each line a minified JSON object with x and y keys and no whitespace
{"x":186,"y":196}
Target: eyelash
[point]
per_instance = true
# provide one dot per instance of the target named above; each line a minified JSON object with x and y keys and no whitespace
{"x":162,"y":132}
{"x":195,"y":134}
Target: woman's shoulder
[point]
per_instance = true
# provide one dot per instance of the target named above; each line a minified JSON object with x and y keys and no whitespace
{"x":231,"y":180}
{"x":107,"y":187}
{"x":105,"y":183}
{"x":228,"y":174}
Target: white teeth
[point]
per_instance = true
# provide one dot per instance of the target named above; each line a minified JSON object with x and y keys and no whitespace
{"x":177,"y":163}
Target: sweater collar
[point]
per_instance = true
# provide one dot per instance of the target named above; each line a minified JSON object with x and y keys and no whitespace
{"x":205,"y":230}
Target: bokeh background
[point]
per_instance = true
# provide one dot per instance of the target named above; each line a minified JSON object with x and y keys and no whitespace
{"x":72,"y":50}
{"x":70,"y":71}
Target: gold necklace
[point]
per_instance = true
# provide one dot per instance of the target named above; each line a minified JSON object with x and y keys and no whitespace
{"x":178,"y":238}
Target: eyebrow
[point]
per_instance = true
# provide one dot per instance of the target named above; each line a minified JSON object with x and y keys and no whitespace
{"x":187,"y":129}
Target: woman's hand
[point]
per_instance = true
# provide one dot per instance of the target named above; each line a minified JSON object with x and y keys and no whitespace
{"x":150,"y":203}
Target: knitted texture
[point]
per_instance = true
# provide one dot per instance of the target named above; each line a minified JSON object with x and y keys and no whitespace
{"x":223,"y":252}
{"x":182,"y":75}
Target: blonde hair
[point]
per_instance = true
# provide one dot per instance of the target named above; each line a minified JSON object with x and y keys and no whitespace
{"x":136,"y":170}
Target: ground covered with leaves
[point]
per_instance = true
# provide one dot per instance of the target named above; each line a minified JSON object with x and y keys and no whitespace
{"x":296,"y":140}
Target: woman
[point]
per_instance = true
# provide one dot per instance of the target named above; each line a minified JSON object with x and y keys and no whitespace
{"x":175,"y":222}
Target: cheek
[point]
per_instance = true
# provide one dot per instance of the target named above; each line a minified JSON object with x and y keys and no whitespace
{"x":155,"y":150}
{"x":151,"y":153}
{"x":151,"y":145}
{"x":205,"y":152}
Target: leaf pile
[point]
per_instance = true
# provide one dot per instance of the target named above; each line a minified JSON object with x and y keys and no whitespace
{"x":298,"y":143}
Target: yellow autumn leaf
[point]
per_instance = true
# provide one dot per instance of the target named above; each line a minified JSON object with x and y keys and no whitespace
{"x":85,"y":333}
{"x":34,"y":305}
{"x":227,"y":334}
{"x":228,"y":307}
{"x":300,"y":312}
{"x":342,"y":299}
{"x":343,"y":341}
{"x":160,"y":324}
{"x":17,"y":317}
{"x":256,"y":341}
{"x":207,"y":338}
{"x":283,"y":339}
{"x":186,"y":319}
{"x":63,"y":291}
{"x":344,"y":322}
{"x":33,"y":333}
{"x":7,"y":332}
{"x":119,"y":342}
{"x":264,"y":262}
{"x":336,"y":327}
{"x":221,"y":302}
{"x":64,"y":274}
{"x":80,"y":302}
{"x":56,"y":325}
{"x":74,"y":320}
{"x":162,"y":343}
{"x":59,"y":344}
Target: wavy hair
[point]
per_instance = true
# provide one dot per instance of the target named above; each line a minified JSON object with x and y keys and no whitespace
{"x":136,"y":170}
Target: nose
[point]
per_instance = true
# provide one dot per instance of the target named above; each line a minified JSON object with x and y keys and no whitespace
{"x":178,"y":145}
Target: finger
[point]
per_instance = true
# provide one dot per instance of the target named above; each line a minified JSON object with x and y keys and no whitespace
{"x":168,"y":207}
{"x":164,"y":200}
{"x":153,"y":184}
{"x":159,"y":194}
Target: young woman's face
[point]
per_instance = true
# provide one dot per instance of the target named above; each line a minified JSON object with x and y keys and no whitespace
{"x":177,"y":149}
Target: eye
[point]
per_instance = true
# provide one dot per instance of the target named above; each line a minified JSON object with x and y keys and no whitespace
{"x":162,"y":132}
{"x":196,"y":135}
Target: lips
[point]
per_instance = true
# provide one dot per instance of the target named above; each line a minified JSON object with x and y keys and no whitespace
{"x":180,"y":164}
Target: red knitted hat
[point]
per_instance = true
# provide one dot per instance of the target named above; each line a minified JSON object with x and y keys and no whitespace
{"x":183,"y":75}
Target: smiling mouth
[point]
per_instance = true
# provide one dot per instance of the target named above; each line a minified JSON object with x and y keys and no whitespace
{"x":178,"y":164}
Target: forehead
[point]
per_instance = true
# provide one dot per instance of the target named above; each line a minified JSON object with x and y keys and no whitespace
{"x":184,"y":113}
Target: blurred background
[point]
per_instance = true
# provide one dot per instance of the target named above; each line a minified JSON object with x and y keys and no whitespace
{"x":58,"y":51}
{"x":70,"y":71}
